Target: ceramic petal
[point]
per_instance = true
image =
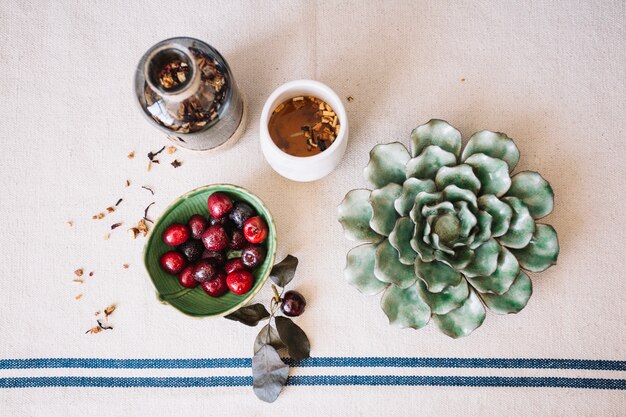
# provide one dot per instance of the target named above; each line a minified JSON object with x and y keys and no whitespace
{"x":461,"y":258}
{"x":500,"y":212}
{"x":461,"y":175}
{"x":500,"y":281}
{"x":512,"y":301}
{"x":522,"y":225}
{"x":493,"y":173}
{"x":463,"y":320}
{"x":534,"y":191}
{"x":355,"y":213}
{"x":493,"y":144}
{"x":436,"y":132}
{"x":387,"y":164}
{"x":467,"y":218}
{"x":484,"y":220}
{"x":359,"y":271}
{"x":400,"y":239}
{"x":427,"y":163}
{"x":404,"y":307}
{"x":437,"y":275}
{"x":422,"y":199}
{"x":542,"y":250}
{"x":410,"y":189}
{"x":485,"y":259}
{"x":383,"y":214}
{"x":388,"y":268}
{"x":425,"y":252}
{"x":453,"y":194}
{"x":445,"y":301}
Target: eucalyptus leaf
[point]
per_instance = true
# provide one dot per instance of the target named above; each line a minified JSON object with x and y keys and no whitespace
{"x":249,"y":315}
{"x":268,"y":336}
{"x":284,"y":271}
{"x":269,"y":374}
{"x":294,"y":337}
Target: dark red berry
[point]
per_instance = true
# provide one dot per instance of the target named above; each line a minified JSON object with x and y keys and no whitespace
{"x":223,"y":221}
{"x":185,"y":278}
{"x":255,"y":229}
{"x":176,"y":234}
{"x":216,"y":287}
{"x":219,"y":205}
{"x":172,"y":262}
{"x":233,"y":265}
{"x":197,"y":224}
{"x":293,"y":304}
{"x":253,"y":255}
{"x":240,"y":213}
{"x":237,"y":240}
{"x":215,"y":238}
{"x":240,"y":281}
{"x":204,"y":271}
{"x":192,"y":249}
{"x":216,"y":258}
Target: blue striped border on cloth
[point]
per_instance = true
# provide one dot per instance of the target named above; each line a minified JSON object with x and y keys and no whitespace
{"x":309,"y":380}
{"x":318,"y":362}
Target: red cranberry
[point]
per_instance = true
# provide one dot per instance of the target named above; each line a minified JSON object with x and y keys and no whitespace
{"x":176,"y":234}
{"x":240,"y":281}
{"x":217,"y":286}
{"x":293,"y":304}
{"x":204,"y":271}
{"x":219,"y":205}
{"x":237,"y":240}
{"x":253,"y":255}
{"x":197,"y":224}
{"x":215,"y":238}
{"x":172,"y":262}
{"x":240,"y":213}
{"x":192,"y":249}
{"x":215,"y":257}
{"x":255,"y":229}
{"x":233,"y":265}
{"x":186,"y":278}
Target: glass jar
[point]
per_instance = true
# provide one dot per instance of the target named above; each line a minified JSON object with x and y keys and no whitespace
{"x":186,"y":89}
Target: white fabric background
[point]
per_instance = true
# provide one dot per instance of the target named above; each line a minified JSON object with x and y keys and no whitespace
{"x":551,"y":74}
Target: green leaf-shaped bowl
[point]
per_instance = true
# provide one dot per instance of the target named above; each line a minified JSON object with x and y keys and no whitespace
{"x":194,"y":301}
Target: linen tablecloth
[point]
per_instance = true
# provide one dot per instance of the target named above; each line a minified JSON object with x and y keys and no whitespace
{"x":551,"y":74}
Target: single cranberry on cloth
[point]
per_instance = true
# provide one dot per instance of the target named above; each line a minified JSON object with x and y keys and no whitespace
{"x":449,"y":232}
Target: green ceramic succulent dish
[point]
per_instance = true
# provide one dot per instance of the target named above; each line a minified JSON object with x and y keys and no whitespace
{"x":448,"y":233}
{"x":195,"y":302}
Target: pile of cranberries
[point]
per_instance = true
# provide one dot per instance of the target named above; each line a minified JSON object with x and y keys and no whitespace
{"x":218,"y":252}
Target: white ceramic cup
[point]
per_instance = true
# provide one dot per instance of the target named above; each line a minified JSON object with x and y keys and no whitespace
{"x":307,"y":168}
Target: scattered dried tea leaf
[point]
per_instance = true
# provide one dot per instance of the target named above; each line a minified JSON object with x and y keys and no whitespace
{"x":79,"y":272}
{"x":151,"y":155}
{"x":149,"y":166}
{"x":97,"y":313}
{"x":107,"y":236}
{"x":142,"y":227}
{"x":350,"y":98}
{"x":116,"y":225}
{"x":118,"y":202}
{"x":110,"y":209}
{"x":171,"y":149}
{"x":78,"y":281}
{"x":91,"y":274}
{"x":127,"y":183}
{"x":145,"y":213}
{"x":133,"y":231}
{"x":109,"y":310}
{"x":104,"y":326}
{"x":131,"y":155}
{"x":98,"y":216}
{"x":145,"y":187}
{"x":125,"y":266}
{"x":462,"y":80}
{"x":94,"y":330}
{"x":69,"y":223}
{"x":78,"y":297}
{"x":176,"y":163}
